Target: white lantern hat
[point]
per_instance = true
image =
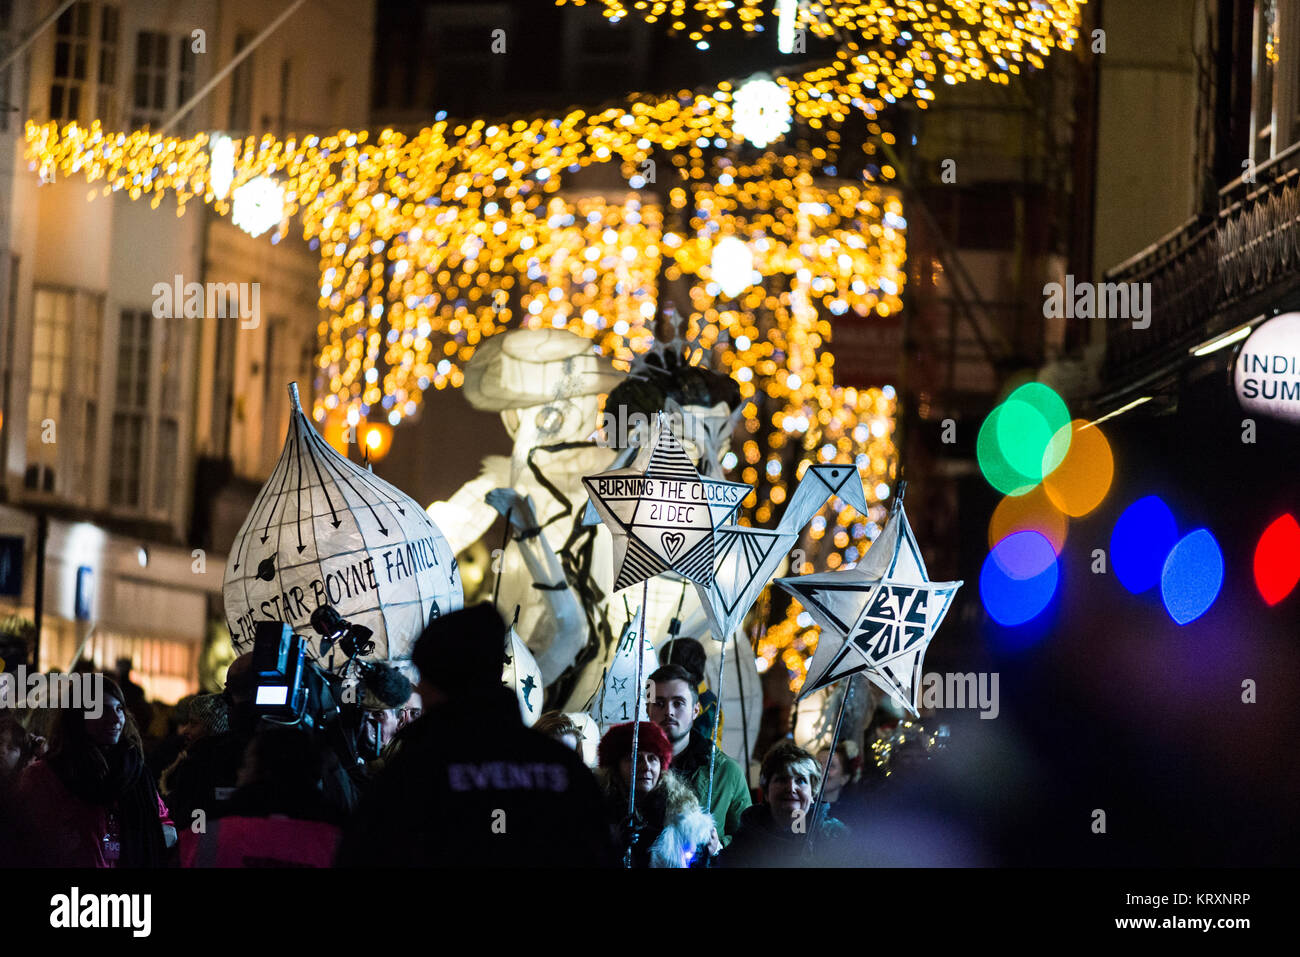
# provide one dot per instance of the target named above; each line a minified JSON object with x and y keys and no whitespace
{"x":528,"y":367}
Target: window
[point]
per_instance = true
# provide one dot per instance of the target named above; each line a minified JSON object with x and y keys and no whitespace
{"x":603,"y":57}
{"x":149,"y":92}
{"x":6,"y":42}
{"x":142,"y":471}
{"x":63,"y":399}
{"x":187,"y":62}
{"x":161,"y":86}
{"x":465,"y":70}
{"x":1266,"y":56}
{"x":106,"y":91}
{"x":171,"y":353}
{"x":241,"y":89}
{"x":131,"y":409}
{"x":85,"y":63}
{"x":71,"y":54}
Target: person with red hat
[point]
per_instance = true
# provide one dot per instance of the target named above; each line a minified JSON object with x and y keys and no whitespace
{"x":668,"y":829}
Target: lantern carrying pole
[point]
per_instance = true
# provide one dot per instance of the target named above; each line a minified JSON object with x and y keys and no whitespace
{"x":505,"y":543}
{"x":636,"y":725}
{"x":818,"y":806}
{"x":713,"y":736}
{"x":740,"y":683}
{"x":839,"y":718}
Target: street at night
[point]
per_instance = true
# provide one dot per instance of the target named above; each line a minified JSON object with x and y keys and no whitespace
{"x":771,"y":437}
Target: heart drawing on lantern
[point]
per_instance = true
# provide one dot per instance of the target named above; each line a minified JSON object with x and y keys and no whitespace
{"x":672,"y":542}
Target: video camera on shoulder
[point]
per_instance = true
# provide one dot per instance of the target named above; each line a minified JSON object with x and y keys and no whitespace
{"x":290,"y":688}
{"x":279,"y":663}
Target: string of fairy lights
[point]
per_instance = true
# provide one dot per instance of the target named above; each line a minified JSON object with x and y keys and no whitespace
{"x":432,"y":242}
{"x":897,"y":47}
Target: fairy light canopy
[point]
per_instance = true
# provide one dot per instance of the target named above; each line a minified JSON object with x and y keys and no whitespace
{"x":431,"y":242}
{"x":901,"y":46}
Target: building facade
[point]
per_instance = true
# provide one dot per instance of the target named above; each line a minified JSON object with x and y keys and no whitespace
{"x":121,"y":417}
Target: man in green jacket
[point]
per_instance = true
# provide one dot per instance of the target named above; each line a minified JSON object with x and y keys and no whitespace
{"x":674,"y":706}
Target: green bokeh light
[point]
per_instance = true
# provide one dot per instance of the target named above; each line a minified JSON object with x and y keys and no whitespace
{"x":1024,"y":439}
{"x":998,"y":472}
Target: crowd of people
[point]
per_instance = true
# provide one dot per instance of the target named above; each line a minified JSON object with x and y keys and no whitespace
{"x":450,"y":777}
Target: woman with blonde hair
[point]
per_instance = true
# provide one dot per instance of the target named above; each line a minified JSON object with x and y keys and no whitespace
{"x":778,"y":832}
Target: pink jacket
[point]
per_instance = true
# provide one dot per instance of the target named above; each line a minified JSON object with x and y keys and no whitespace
{"x":64,"y":830}
{"x":260,"y":842}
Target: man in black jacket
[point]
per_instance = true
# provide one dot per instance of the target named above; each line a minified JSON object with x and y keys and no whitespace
{"x":469,"y":785}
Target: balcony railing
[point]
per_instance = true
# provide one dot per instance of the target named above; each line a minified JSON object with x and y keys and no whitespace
{"x":1212,"y":270}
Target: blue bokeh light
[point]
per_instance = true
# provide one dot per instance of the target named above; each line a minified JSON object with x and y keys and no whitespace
{"x":1019,"y":578}
{"x":1140,"y":543}
{"x":1192,"y":576}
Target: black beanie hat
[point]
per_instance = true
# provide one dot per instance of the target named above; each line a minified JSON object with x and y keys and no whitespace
{"x":463,"y":651}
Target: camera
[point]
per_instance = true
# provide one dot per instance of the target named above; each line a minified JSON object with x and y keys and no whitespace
{"x":352,"y":640}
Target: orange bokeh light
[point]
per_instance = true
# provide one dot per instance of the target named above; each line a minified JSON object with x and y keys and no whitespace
{"x":1081,"y":481}
{"x":1029,"y":512}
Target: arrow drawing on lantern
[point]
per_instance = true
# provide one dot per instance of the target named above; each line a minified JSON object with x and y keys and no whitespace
{"x":269,"y":505}
{"x":335,"y":521}
{"x":266,"y":532}
{"x":298,"y":522}
{"x":384,"y":494}
{"x":338,"y":470}
{"x":746,"y":558}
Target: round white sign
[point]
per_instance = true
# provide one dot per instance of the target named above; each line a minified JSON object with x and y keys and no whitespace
{"x":1267,"y":372}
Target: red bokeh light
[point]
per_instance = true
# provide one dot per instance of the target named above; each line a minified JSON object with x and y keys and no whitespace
{"x":1277,"y":559}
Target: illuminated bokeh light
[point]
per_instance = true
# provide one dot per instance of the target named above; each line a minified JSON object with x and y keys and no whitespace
{"x":412,"y":229}
{"x":998,"y":471}
{"x":1019,"y":578}
{"x":1191,"y":576}
{"x":1030,"y":512}
{"x":1080,"y":483}
{"x":1024,"y":439}
{"x":1277,"y":559}
{"x":761,"y":111}
{"x":425,"y":254}
{"x":431,"y":242}
{"x":902,"y":48}
{"x":1034,"y":430}
{"x":1140,"y":543}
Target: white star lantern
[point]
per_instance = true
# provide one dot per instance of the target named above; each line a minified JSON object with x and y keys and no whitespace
{"x":878,"y":617}
{"x":663,"y":517}
{"x":747,"y":557}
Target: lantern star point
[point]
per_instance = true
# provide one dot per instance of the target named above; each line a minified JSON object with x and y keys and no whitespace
{"x":877,"y":618}
{"x":663,"y":519}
